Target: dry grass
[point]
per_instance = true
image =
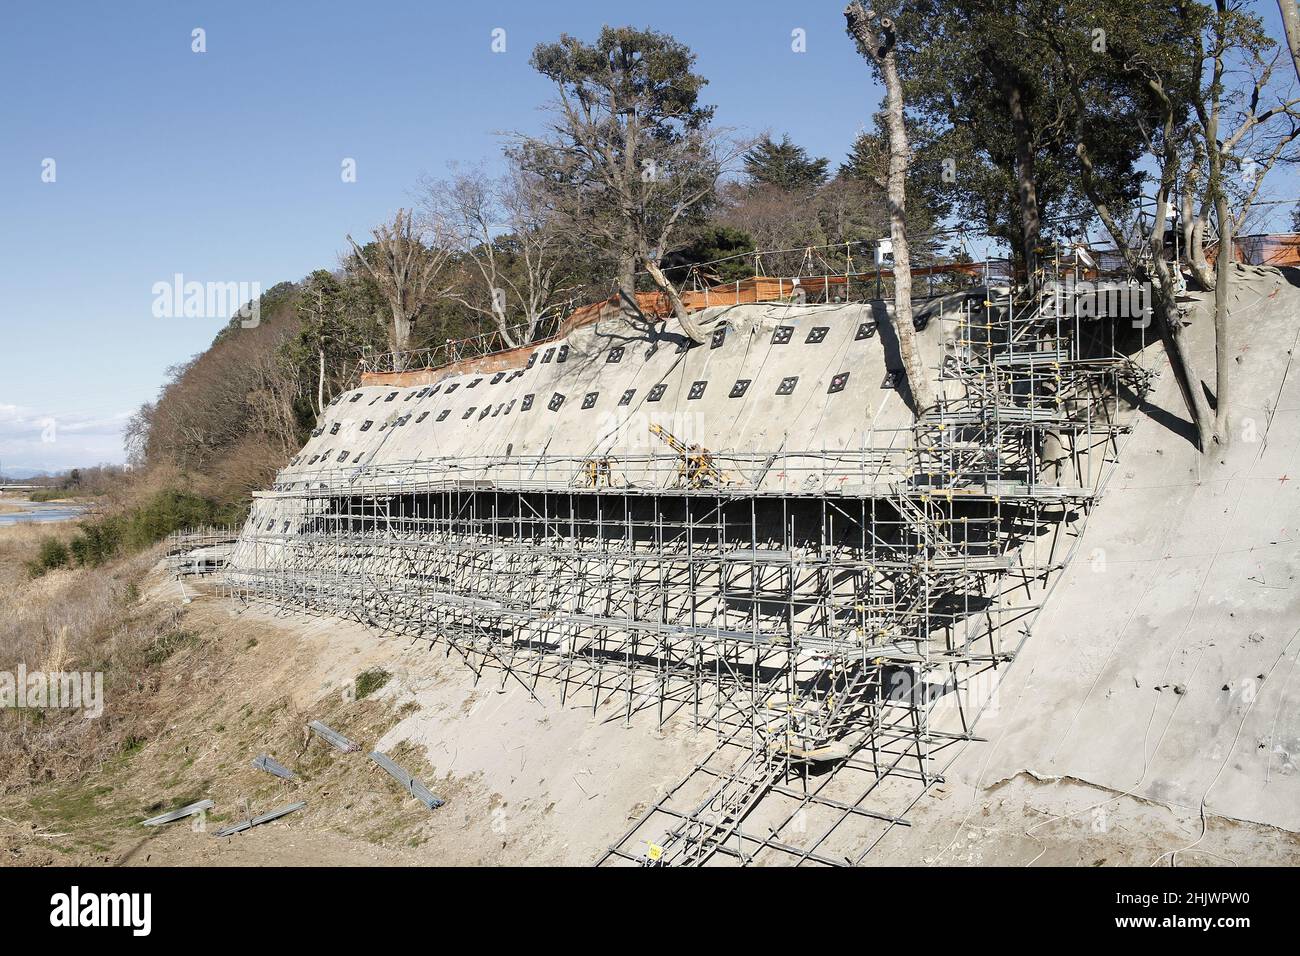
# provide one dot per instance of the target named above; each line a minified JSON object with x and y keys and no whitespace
{"x":83,"y":620}
{"x":19,"y":544}
{"x":86,"y":619}
{"x":213,"y":697}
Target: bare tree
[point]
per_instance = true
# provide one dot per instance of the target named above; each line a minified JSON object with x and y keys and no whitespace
{"x":405,"y":269}
{"x":1144,"y":88}
{"x":1247,"y":126}
{"x":513,"y":252}
{"x":135,"y":435}
{"x":875,"y":38}
{"x":275,"y":386}
{"x":314,"y":314}
{"x":1253,"y":126}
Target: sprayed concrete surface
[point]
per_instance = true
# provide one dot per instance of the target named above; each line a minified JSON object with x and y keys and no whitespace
{"x":770,"y":380}
{"x":1164,"y":663}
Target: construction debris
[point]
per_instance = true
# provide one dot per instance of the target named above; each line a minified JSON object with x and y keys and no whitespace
{"x":263,"y":762}
{"x":413,"y":786}
{"x":333,"y":737}
{"x":180,"y":814}
{"x":258,"y":821}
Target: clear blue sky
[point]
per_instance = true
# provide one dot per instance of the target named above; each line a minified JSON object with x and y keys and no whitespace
{"x":225,"y":166}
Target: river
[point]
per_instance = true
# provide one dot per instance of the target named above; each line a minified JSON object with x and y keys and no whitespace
{"x":39,"y":512}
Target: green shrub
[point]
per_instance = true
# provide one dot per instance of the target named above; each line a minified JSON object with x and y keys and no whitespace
{"x":47,"y":494}
{"x":370,"y":681}
{"x":53,"y":554}
{"x":100,"y":539}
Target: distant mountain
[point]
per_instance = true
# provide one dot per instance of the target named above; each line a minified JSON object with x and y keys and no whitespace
{"x":15,"y":474}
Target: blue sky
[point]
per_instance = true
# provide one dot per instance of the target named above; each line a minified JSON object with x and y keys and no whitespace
{"x":225,"y":165}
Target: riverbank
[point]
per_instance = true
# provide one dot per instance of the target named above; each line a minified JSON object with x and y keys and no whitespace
{"x":19,"y":509}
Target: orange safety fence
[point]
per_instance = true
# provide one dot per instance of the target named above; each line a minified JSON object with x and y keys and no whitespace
{"x":655,"y":304}
{"x":1272,"y":250}
{"x":753,"y":290}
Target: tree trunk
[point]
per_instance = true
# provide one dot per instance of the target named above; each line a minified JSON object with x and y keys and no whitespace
{"x":320,"y":385}
{"x":1189,"y":383}
{"x":684,"y":318}
{"x":500,"y":318}
{"x":1194,"y":239}
{"x":1166,"y":304}
{"x":1026,"y":188}
{"x":1194,"y":225}
{"x":880,"y":50}
{"x":1223,"y":266}
{"x":1168,"y":323}
{"x":401,"y":329}
{"x":627,"y":283}
{"x":1291,"y":24}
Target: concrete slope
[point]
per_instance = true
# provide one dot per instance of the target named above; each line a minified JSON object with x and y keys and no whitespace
{"x":773,"y":381}
{"x":1165,"y":661}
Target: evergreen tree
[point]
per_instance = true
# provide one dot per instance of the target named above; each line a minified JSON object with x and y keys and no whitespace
{"x":631,"y":160}
{"x":711,"y":244}
{"x":784,"y":165}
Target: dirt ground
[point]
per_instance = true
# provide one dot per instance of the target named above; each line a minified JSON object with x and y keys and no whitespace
{"x":1028,"y":822}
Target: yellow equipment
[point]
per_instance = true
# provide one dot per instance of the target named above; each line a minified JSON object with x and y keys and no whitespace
{"x":597,"y":473}
{"x":695,"y":467}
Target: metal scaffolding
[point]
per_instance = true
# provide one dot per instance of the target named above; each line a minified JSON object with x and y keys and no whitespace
{"x":838,"y":644}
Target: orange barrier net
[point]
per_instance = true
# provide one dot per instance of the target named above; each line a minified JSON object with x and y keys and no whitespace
{"x":1274,"y":250}
{"x":755,"y":289}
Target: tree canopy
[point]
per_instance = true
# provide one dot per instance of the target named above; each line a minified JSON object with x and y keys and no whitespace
{"x":784,"y":165}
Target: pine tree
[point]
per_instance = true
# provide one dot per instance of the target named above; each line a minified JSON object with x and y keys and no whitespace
{"x":784,"y":165}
